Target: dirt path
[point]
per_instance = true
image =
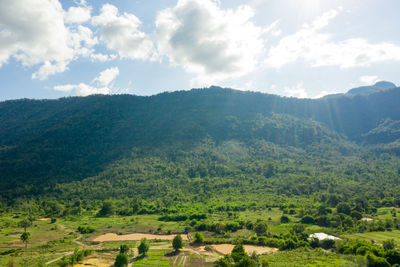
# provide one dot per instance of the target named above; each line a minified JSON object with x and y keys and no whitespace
{"x":79,"y":242}
{"x":59,"y":258}
{"x":133,"y":237}
{"x":68,"y":252}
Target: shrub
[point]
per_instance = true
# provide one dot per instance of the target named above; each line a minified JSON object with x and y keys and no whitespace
{"x":107,"y":209}
{"x":122,"y":260}
{"x":327,"y":243}
{"x":124,"y":249}
{"x":86,"y":229}
{"x":261,"y":227}
{"x":177,"y":242}
{"x":308,"y":219}
{"x":356,"y":215}
{"x":143,"y":246}
{"x":238,"y":253}
{"x":388,"y":244}
{"x":198,"y":238}
{"x":285,"y":219}
{"x":374,"y":261}
{"x":314,"y":242}
{"x":392,"y":256}
{"x":362,"y":250}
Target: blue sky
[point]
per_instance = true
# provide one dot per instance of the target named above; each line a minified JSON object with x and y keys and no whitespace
{"x":308,"y":48}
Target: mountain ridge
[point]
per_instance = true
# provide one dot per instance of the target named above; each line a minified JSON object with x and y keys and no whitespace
{"x":74,"y":138}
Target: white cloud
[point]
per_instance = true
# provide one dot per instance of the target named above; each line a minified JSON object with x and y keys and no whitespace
{"x":107,"y":76}
{"x":102,"y":57}
{"x":103,"y":82}
{"x":121,"y":33}
{"x":210,"y":42}
{"x":296,"y":91}
{"x":82,"y":89}
{"x":78,"y":14}
{"x":318,"y":49}
{"x":33,"y":32}
{"x":369,"y":79}
{"x":273,"y":29}
{"x":322,"y":94}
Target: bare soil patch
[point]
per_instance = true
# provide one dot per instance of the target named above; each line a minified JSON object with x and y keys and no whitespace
{"x":227,"y":248}
{"x":99,"y":262}
{"x":44,"y":219}
{"x":367,"y":219}
{"x":133,"y":237}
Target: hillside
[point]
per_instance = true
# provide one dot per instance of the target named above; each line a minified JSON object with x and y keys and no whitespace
{"x":45,"y":142}
{"x":228,"y":167}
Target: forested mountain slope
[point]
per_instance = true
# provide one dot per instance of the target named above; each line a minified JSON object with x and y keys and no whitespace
{"x":45,"y":142}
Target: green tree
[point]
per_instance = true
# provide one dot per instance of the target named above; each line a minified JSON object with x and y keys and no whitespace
{"x":388,"y":244}
{"x":285,"y":219}
{"x":107,"y":209}
{"x":124,"y":249}
{"x":198,"y":238}
{"x":122,"y":260}
{"x":344,"y":208}
{"x":25,"y":238}
{"x":143,"y":247}
{"x":260,"y":228}
{"x":25,"y":223}
{"x":177,"y":242}
{"x":246,"y":261}
{"x":223,"y":262}
{"x":374,"y":261}
{"x":356,"y":215}
{"x":238,"y":253}
{"x":308,"y":219}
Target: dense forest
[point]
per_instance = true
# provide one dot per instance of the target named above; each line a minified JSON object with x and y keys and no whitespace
{"x":198,"y":138}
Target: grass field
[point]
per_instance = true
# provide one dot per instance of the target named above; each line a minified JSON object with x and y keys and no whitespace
{"x":309,"y":257}
{"x":377,"y":237}
{"x":51,"y":241}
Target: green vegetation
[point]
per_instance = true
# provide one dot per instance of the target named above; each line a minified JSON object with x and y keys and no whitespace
{"x":177,"y":242}
{"x":122,"y":260}
{"x":143,"y":247}
{"x":221,"y":166}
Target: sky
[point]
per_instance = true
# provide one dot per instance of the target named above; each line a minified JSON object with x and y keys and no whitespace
{"x":306,"y":49}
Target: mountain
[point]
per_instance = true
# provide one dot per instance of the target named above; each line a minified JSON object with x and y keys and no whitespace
{"x":48,"y":142}
{"x":366,"y":90}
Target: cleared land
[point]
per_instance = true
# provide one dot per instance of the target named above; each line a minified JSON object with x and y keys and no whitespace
{"x":227,"y":249}
{"x":134,"y":237}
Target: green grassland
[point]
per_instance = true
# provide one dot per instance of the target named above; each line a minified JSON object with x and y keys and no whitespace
{"x":51,"y":241}
{"x":314,"y":258}
{"x":377,"y":237}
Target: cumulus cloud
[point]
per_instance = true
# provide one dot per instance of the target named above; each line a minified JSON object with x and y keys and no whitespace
{"x":318,"y":48}
{"x":208,"y":41}
{"x":107,"y":76}
{"x":102,"y":57}
{"x":100,"y":85}
{"x":78,"y":14}
{"x":121,"y":33}
{"x":296,"y":91}
{"x":372,"y":79}
{"x":33,"y":32}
